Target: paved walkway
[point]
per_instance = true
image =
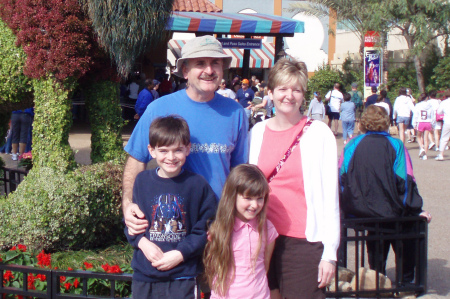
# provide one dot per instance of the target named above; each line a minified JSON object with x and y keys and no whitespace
{"x":433,"y":180}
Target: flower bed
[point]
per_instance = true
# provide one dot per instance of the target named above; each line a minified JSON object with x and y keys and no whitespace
{"x":19,"y":255}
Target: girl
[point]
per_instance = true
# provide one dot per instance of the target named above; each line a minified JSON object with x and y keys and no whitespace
{"x":241,"y":240}
{"x":316,"y":107}
{"x":423,"y":121}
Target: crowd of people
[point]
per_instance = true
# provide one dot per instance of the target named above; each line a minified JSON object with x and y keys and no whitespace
{"x":260,"y":210}
{"x":423,"y":118}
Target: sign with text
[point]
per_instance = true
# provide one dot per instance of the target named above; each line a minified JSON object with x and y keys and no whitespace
{"x":241,"y":43}
{"x":371,"y":39}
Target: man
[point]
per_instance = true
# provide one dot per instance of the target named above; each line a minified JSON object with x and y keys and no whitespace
{"x":218,"y":125}
{"x":244,"y":96}
{"x":226,"y":92}
{"x":357,"y":99}
{"x":335,"y":99}
{"x":372,"y":99}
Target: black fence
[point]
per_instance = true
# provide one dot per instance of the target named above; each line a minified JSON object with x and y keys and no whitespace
{"x":408,"y":237}
{"x":10,"y":178}
{"x":53,"y":282}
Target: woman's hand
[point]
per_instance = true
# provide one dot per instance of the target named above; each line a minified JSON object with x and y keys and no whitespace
{"x":326,"y":273}
{"x":427,"y":215}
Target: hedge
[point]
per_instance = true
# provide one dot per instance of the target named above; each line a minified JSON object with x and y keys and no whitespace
{"x":54,"y":210}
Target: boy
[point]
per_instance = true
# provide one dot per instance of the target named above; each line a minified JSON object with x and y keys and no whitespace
{"x":177,"y":203}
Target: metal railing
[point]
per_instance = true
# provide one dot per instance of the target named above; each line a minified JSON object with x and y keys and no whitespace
{"x":406,"y":235}
{"x":10,"y":178}
{"x":53,"y":282}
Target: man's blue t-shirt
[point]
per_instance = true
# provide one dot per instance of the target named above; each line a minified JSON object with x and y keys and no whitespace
{"x":219,"y":134}
{"x":245,"y":96}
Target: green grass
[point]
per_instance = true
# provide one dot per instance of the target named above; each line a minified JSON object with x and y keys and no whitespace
{"x":120,"y":254}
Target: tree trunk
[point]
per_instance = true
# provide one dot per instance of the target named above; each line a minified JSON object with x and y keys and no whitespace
{"x":52,"y":122}
{"x":105,"y":115}
{"x":419,"y":73}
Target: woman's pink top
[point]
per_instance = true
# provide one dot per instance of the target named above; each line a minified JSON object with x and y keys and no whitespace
{"x":250,"y":279}
{"x":287,"y":203}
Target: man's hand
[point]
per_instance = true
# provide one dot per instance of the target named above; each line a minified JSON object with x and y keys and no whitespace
{"x":134,"y":219}
{"x":170,"y":260}
{"x":326,"y":273}
{"x":152,"y":252}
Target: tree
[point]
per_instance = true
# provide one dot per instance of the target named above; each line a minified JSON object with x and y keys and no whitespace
{"x":419,"y":21}
{"x":128,"y":28}
{"x":357,"y":16}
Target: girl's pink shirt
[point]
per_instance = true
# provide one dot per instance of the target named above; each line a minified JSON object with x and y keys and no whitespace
{"x":250,"y":279}
{"x":287,"y":203}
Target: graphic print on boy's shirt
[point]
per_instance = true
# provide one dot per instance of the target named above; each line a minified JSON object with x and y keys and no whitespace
{"x":168,"y":219}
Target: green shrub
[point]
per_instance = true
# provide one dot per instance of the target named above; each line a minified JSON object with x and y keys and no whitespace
{"x":55,"y":210}
{"x":442,"y":73}
{"x":323,"y":81}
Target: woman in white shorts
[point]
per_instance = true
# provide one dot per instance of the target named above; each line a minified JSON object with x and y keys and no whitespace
{"x":402,"y":112}
{"x":423,"y":120}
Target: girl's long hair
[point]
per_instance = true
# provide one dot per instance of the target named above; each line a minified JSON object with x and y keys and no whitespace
{"x":246,"y":180}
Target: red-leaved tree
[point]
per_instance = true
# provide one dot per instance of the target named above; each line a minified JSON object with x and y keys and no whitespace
{"x":57,"y":37}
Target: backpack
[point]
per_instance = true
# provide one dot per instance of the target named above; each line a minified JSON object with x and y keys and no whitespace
{"x":356,"y":99}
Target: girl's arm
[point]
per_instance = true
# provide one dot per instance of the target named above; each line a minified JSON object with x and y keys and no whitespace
{"x":268,"y":254}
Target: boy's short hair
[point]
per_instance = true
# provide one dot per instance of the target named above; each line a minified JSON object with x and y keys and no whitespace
{"x":347,"y":97}
{"x":169,"y":130}
{"x":288,"y":71}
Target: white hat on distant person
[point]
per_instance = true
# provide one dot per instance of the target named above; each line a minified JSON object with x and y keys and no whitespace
{"x":202,"y":46}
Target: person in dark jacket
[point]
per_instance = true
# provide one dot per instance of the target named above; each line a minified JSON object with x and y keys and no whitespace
{"x":376,"y":180}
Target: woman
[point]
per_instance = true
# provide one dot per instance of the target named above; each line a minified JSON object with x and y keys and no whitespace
{"x":423,"y":121}
{"x":376,"y":180}
{"x":316,"y":107}
{"x":444,"y":108}
{"x":20,"y":126}
{"x":402,"y":112}
{"x":303,"y":203}
{"x":381,"y":101}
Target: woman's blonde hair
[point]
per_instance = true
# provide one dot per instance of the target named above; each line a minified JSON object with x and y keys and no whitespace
{"x":288,"y":71}
{"x":375,"y":118}
{"x":246,"y":180}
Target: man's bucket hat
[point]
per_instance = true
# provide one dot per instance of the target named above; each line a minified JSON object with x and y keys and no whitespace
{"x":203,"y":46}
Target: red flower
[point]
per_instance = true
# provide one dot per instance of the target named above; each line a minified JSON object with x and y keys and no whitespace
{"x":67,"y":285}
{"x":19,"y":297}
{"x":13,"y":248}
{"x":7,"y":276}
{"x":76,"y":283}
{"x":1,"y":259}
{"x":202,"y":295}
{"x":22,"y":248}
{"x":70,"y":269}
{"x":106,"y":267}
{"x":41,"y":277}
{"x":115,"y":269}
{"x":62,"y":279}
{"x":44,"y":260}
{"x":31,"y":279}
{"x":87,"y":265}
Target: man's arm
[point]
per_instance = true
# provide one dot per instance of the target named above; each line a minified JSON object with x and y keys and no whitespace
{"x":134,"y":218}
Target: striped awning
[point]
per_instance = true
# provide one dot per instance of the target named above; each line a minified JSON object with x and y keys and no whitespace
{"x":233,"y":23}
{"x":259,"y":58}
